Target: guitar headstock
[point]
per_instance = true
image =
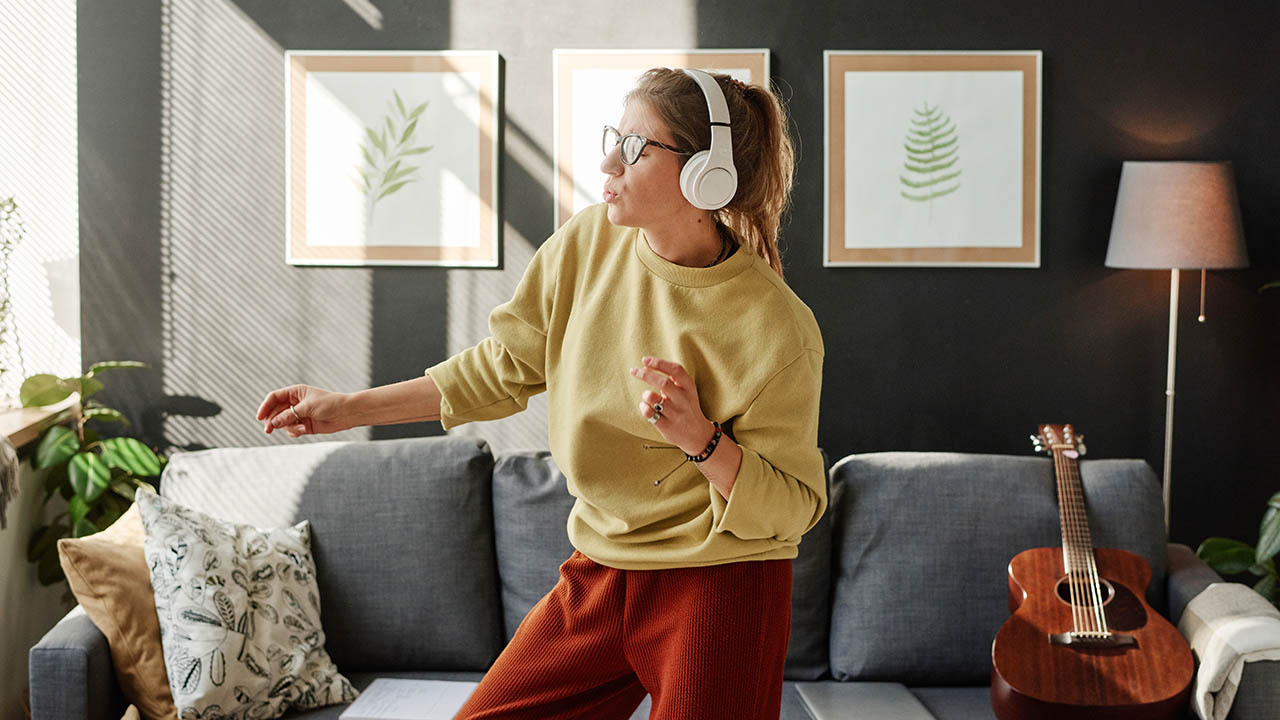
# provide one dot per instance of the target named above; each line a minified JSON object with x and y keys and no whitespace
{"x":1052,"y":437}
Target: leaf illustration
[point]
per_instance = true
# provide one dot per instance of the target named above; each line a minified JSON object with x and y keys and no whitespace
{"x":211,"y":560}
{"x":254,"y":666}
{"x":255,"y":546}
{"x":188,"y":674}
{"x":932,"y":146}
{"x":226,"y":609}
{"x":281,"y":687}
{"x":266,"y":611}
{"x":293,"y":603}
{"x":315,"y":602}
{"x":217,"y":668}
{"x":385,"y":172}
{"x":240,"y":579}
{"x":293,"y":623}
{"x":259,"y":591}
{"x":200,"y":616}
{"x":266,"y":572}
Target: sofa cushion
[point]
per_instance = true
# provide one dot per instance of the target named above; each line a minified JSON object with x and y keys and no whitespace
{"x":530,"y":513}
{"x":956,"y":703}
{"x":861,"y":700}
{"x":531,"y":510}
{"x":402,"y":533}
{"x":923,"y":543}
{"x":240,"y":618}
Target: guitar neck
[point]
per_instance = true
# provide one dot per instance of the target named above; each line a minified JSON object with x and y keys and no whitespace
{"x":1077,"y":544}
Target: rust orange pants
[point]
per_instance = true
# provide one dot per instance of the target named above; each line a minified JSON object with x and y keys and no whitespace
{"x":705,"y":642}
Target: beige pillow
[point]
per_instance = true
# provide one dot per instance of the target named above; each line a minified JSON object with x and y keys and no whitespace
{"x":108,"y":573}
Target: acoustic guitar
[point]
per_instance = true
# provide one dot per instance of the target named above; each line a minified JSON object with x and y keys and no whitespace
{"x":1081,"y":641}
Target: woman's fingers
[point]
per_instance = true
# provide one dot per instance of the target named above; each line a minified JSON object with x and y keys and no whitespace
{"x":674,"y":369}
{"x":274,"y":400}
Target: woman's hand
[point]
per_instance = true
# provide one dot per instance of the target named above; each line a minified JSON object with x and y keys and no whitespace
{"x":304,"y":410}
{"x":680,"y":419}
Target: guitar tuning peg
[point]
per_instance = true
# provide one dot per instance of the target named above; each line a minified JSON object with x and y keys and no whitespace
{"x":1035,"y":443}
{"x":1080,"y":448}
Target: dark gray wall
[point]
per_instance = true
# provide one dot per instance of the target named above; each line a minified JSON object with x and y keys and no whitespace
{"x":917,"y":359}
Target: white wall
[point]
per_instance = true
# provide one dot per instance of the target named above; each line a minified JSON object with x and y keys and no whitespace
{"x":38,"y":167}
{"x":27,"y":608}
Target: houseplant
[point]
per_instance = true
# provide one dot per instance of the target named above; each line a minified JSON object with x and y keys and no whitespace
{"x":1232,"y":557}
{"x":98,"y":477}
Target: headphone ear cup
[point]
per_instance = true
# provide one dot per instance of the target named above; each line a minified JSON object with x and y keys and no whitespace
{"x":690,"y":175}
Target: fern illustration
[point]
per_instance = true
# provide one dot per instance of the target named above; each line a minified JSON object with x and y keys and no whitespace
{"x":933,"y":149}
{"x":386,"y":151}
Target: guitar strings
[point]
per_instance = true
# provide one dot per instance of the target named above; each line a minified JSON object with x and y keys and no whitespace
{"x":1083,"y":570}
{"x":1068,"y":559}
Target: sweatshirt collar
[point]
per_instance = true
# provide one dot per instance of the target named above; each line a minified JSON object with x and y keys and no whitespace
{"x":676,"y":274}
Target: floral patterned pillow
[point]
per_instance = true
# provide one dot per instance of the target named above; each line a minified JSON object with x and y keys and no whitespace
{"x":239,"y":615}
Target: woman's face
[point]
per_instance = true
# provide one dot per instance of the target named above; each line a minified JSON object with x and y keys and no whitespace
{"x":646,"y":194}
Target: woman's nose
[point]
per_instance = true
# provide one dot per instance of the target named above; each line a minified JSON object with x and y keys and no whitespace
{"x":612,"y":162}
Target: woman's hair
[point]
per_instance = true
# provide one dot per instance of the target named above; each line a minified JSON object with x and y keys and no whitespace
{"x":762,"y":150}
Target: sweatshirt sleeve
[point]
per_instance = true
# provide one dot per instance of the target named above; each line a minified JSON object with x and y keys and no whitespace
{"x":496,"y":377}
{"x":780,"y":491}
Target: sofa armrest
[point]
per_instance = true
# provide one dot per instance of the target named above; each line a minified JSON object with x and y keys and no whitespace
{"x":71,"y":675}
{"x":1188,"y":575}
{"x":1259,"y":692}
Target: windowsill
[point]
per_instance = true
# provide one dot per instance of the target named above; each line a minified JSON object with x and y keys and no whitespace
{"x":24,"y":425}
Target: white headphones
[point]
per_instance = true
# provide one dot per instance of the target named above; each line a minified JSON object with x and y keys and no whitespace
{"x":709,"y":179}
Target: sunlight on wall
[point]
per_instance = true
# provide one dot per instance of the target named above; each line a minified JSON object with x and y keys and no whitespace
{"x":527,"y":34}
{"x":38,"y":168}
{"x":240,"y":321}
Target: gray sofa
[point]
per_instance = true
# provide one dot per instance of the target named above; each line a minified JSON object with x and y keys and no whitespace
{"x":430,"y":551}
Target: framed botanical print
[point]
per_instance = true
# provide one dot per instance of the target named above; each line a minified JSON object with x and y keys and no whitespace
{"x":590,"y":87}
{"x":932,"y":158}
{"x":392,"y":158}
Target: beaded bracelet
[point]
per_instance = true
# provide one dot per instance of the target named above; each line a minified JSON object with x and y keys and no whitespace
{"x":711,"y":446}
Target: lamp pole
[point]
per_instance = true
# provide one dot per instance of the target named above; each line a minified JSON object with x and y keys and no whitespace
{"x":1168,"y":394}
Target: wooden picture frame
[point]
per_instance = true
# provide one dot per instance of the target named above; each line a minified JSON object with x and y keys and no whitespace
{"x":588,"y":89}
{"x":392,"y":158}
{"x":932,"y":158}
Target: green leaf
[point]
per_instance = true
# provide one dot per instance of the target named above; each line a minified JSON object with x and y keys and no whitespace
{"x":367,"y":157}
{"x":90,"y":476}
{"x":417,"y":150}
{"x":392,"y":189}
{"x":1226,"y":556}
{"x":77,"y":508}
{"x":49,"y":571}
{"x":96,"y":368}
{"x":1266,"y":587}
{"x":42,"y":539}
{"x":381,"y":146}
{"x":43,"y":389}
{"x":386,"y":177}
{"x":129,"y":454}
{"x":84,"y":527}
{"x":86,"y":386}
{"x":418,"y":110}
{"x":408,"y":132}
{"x":390,"y":131}
{"x":105,"y":414}
{"x":57,"y":446}
{"x":124,"y":490}
{"x":399,"y":103}
{"x":145,"y":486}
{"x":1268,"y":534}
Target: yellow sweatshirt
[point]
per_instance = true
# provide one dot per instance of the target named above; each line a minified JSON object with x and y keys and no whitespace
{"x":594,"y":300}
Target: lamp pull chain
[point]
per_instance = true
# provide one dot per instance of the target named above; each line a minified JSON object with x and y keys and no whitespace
{"x":1201,"y":318}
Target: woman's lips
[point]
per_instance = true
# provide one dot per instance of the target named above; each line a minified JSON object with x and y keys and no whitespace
{"x":609,"y":195}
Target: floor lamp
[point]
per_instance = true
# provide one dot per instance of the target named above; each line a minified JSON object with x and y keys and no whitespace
{"x":1170,"y":216}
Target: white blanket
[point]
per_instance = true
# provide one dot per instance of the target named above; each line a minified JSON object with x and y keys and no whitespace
{"x":1227,"y":625}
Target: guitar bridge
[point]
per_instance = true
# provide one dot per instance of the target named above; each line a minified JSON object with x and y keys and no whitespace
{"x":1093,"y":640}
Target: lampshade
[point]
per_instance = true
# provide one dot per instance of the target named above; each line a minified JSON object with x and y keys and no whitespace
{"x":1176,"y":215}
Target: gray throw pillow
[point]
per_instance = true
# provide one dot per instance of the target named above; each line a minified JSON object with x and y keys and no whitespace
{"x":239,"y":615}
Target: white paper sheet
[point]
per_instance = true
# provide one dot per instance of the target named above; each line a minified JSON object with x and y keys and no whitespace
{"x":397,"y":699}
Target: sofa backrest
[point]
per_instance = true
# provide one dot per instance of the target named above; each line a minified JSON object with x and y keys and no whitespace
{"x":531,"y":511}
{"x":402,"y":534}
{"x":923,"y":543}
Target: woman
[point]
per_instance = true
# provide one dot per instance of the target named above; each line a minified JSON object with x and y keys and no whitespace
{"x":682,"y":379}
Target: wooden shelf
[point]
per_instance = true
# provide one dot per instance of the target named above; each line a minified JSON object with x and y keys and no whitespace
{"x":24,"y":425}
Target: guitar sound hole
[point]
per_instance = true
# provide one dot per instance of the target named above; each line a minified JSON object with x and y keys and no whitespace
{"x":1063,"y":590}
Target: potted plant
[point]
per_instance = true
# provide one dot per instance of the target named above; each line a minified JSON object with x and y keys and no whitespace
{"x":1232,"y":557}
{"x":97,"y":476}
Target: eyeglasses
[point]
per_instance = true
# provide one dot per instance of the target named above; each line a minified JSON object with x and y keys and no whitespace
{"x":632,"y":145}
